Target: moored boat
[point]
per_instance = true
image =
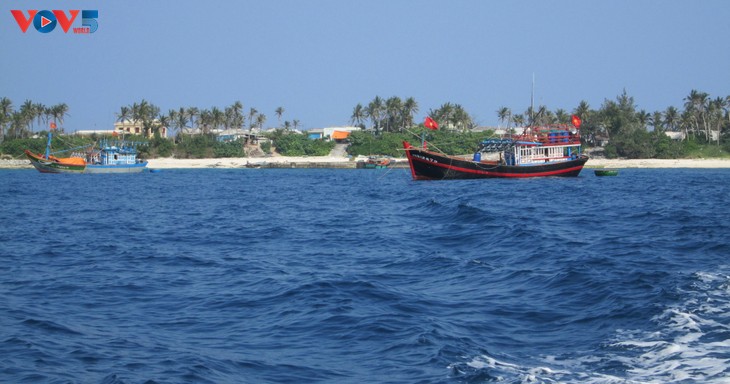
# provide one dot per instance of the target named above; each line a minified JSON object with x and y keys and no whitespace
{"x":110,"y":157}
{"x":553,"y":150}
{"x":606,"y":172}
{"x":53,"y":164}
{"x":374,"y":162}
{"x":114,"y":157}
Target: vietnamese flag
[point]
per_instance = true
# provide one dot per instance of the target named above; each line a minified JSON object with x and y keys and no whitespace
{"x":575,"y":120}
{"x":430,"y":123}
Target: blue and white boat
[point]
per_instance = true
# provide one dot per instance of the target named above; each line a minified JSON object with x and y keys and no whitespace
{"x":116,"y":156}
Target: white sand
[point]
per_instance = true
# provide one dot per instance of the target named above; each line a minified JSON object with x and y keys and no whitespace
{"x":657,"y":163}
{"x":239,"y":162}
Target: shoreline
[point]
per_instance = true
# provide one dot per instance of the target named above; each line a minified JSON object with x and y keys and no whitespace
{"x":345,"y":162}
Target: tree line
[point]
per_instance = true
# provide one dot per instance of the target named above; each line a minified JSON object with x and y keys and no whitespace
{"x":395,"y":115}
{"x":29,"y":116}
{"x":203,"y":119}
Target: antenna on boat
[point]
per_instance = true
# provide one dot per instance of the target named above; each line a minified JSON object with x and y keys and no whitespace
{"x":532,"y":101}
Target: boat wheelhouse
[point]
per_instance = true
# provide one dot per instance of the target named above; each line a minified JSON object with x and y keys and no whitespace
{"x":116,"y":156}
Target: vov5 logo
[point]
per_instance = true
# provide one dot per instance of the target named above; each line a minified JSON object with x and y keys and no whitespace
{"x":46,"y":21}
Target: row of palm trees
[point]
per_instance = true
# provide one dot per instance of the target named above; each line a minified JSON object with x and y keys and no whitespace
{"x":28,"y":118}
{"x":395,"y":115}
{"x":701,"y":116}
{"x":389,"y":115}
{"x":205,"y":120}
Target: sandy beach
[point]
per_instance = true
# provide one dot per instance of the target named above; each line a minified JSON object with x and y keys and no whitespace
{"x":345,"y":162}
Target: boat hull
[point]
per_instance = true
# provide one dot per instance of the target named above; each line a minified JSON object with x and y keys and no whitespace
{"x":44,"y":165}
{"x":123,"y":168}
{"x":427,"y":165}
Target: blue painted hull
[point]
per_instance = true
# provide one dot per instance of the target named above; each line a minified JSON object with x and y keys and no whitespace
{"x":123,"y":168}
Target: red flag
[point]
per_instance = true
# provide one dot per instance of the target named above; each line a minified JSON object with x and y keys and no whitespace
{"x":575,"y":120}
{"x":430,"y":123}
{"x":53,"y":125}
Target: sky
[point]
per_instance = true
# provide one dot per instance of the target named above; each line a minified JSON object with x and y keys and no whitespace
{"x":319,"y":58}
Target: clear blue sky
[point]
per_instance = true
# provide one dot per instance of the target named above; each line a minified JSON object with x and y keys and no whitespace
{"x":319,"y":58}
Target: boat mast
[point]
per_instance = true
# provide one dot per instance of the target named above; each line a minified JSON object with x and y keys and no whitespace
{"x":532,"y":101}
{"x":48,"y":145}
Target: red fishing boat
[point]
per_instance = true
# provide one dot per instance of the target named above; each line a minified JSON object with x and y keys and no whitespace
{"x":553,"y":150}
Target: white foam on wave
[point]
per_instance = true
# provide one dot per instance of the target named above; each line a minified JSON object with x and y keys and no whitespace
{"x":690,"y":344}
{"x":680,"y":350}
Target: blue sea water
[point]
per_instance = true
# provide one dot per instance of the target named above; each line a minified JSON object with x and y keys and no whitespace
{"x":364,"y":276}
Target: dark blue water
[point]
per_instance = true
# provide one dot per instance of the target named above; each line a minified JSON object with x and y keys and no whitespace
{"x":351,"y":276}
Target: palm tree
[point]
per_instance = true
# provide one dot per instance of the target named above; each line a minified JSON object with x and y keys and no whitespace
{"x":173,"y":119}
{"x":671,"y":117}
{"x":657,"y":121}
{"x":562,"y":116}
{"x":58,"y":112}
{"x":410,"y":108}
{"x":6,"y":111}
{"x":163,"y":121}
{"x":205,"y":120}
{"x":505,"y":114}
{"x":146,"y":113}
{"x":251,"y":114}
{"x":716,"y":108}
{"x":27,"y":112}
{"x":237,"y":109}
{"x":393,"y":107}
{"x":182,"y":121}
{"x":295,"y":124}
{"x":260,"y":120}
{"x":17,"y":123}
{"x":375,"y":112}
{"x":217,"y":116}
{"x":279,"y":111}
{"x":192,"y":113}
{"x":644,"y":118}
{"x":696,"y":105}
{"x":460,"y":119}
{"x":519,"y":120}
{"x":123,"y":114}
{"x":40,"y":113}
{"x":358,"y":115}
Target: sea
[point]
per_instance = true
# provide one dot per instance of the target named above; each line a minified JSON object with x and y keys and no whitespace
{"x":364,"y":276}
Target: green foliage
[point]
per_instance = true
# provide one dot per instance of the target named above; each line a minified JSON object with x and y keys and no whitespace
{"x":666,"y":148}
{"x":195,"y":147}
{"x":15,"y":147}
{"x":365,"y":143}
{"x":266,"y":147}
{"x":229,"y":149}
{"x":697,"y":148}
{"x":456,"y":143}
{"x":633,"y":145}
{"x":295,"y":144}
{"x":391,"y":144}
{"x":206,"y":146}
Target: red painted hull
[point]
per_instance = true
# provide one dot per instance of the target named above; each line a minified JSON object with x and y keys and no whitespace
{"x":427,"y":165}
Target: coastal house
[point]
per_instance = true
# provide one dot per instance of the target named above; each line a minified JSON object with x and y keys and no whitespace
{"x":229,"y":135}
{"x":135,"y":127}
{"x":337,"y":134}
